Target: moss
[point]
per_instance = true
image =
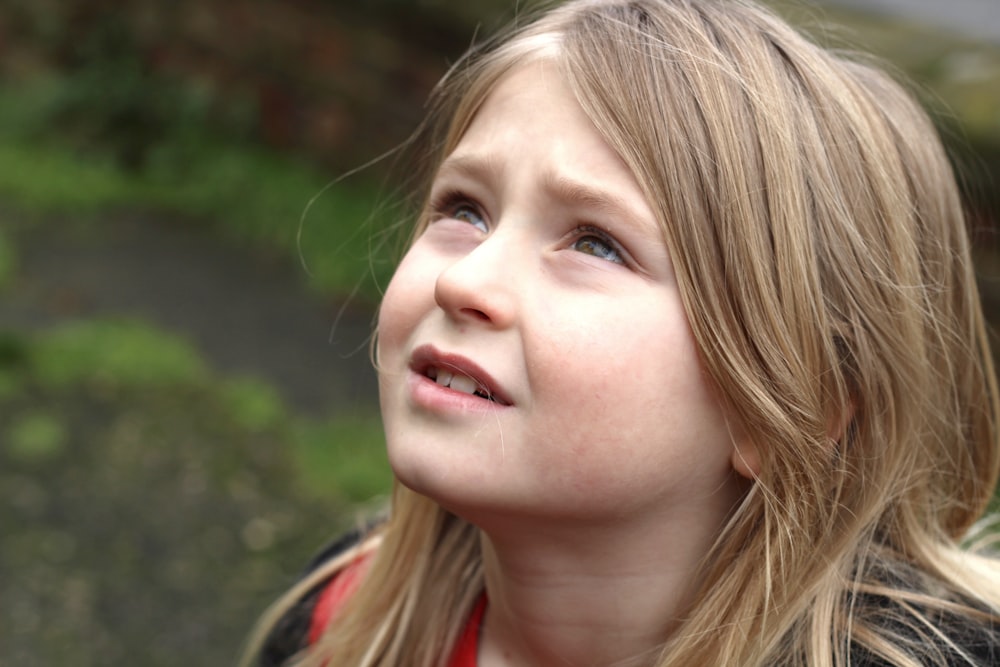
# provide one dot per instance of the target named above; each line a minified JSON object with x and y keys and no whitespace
{"x":35,"y":436}
{"x":119,"y":352}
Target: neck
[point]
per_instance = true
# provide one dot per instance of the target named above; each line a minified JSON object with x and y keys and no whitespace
{"x":589,"y":596}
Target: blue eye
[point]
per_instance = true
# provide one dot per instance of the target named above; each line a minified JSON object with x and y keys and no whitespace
{"x":454,"y":205}
{"x":468,"y":214}
{"x":592,"y":242}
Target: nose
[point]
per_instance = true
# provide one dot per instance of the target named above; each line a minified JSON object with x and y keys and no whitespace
{"x":481,"y":286}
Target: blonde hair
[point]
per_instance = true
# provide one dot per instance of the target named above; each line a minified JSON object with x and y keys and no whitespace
{"x":820,"y":247}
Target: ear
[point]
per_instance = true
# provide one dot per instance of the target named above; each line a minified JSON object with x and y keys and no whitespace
{"x":746,"y":453}
{"x":746,"y":458}
{"x":836,"y":425}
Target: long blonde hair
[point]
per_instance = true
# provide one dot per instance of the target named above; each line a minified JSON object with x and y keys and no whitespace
{"x":820,"y":248}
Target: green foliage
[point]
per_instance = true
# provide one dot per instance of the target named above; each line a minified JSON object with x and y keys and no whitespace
{"x":345,"y":456}
{"x":107,"y":99}
{"x":46,"y":180}
{"x":13,"y":357}
{"x":274,"y":202}
{"x":117,"y":352}
{"x":35,"y":436}
{"x":10,"y":383}
{"x":40,"y":175}
{"x":8,"y":260}
{"x":252,"y":404}
{"x":25,"y":107}
{"x":339,"y":458}
{"x":247,"y":194}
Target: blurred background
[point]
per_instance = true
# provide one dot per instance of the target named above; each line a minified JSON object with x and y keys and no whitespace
{"x":189,"y":266}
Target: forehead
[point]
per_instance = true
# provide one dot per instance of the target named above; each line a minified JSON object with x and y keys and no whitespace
{"x":524,"y":97}
{"x":532,"y":112}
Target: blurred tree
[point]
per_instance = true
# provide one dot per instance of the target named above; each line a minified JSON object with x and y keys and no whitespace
{"x":338,"y":82}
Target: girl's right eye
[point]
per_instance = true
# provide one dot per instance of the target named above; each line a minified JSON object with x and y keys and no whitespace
{"x":456,"y":206}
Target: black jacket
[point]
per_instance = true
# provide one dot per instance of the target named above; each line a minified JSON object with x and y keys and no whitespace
{"x":291,"y":634}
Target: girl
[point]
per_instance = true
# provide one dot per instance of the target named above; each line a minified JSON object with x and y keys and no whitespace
{"x":685,"y":365}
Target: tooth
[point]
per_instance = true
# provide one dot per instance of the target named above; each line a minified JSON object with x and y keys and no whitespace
{"x":464,"y":384}
{"x":443,"y":378}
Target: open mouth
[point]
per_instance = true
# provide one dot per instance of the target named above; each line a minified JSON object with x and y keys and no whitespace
{"x":457,"y":373}
{"x":460,"y":382}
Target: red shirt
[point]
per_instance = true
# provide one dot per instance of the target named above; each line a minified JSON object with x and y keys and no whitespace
{"x":341,"y":587}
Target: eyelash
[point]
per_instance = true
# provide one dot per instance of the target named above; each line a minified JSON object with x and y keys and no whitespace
{"x":448,"y":202}
{"x":583,"y":231}
{"x":445,"y":204}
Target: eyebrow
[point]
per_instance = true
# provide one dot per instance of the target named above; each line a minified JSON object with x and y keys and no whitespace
{"x":487,"y":169}
{"x":573,"y":192}
{"x":605,"y":202}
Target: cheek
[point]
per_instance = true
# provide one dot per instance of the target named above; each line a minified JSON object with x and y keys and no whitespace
{"x":627,"y":400}
{"x":406,"y":297}
{"x":613,"y":362}
{"x":393,"y":316}
{"x":592,"y":381}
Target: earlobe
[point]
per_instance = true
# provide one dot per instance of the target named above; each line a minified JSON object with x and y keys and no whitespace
{"x":746,"y":459}
{"x":836,"y":427}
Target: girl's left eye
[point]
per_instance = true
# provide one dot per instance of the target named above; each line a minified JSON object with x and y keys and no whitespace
{"x":467,"y":213}
{"x":594,"y":242}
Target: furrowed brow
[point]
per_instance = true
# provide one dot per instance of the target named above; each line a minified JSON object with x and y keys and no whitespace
{"x":572,"y":192}
{"x":602,"y":201}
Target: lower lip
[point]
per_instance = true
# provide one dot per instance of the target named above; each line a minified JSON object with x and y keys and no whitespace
{"x":428,"y":394}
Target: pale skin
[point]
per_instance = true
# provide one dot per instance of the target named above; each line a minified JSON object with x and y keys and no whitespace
{"x":604,"y":466}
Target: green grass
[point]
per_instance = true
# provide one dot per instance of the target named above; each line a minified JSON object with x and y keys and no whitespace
{"x":246,"y":194}
{"x":335,"y":229}
{"x":34,"y":436}
{"x":120,"y":352}
{"x":43,"y":180}
{"x":341,"y":459}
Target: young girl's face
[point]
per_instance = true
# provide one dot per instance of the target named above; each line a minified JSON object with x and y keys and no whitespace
{"x":534,"y":355}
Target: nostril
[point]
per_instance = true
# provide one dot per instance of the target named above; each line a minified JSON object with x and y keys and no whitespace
{"x":477,"y":314}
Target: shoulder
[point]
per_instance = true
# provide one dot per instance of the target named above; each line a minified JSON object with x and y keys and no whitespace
{"x":291,"y":633}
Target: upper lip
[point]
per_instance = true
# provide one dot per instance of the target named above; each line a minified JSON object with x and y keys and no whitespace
{"x":426,"y":357}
